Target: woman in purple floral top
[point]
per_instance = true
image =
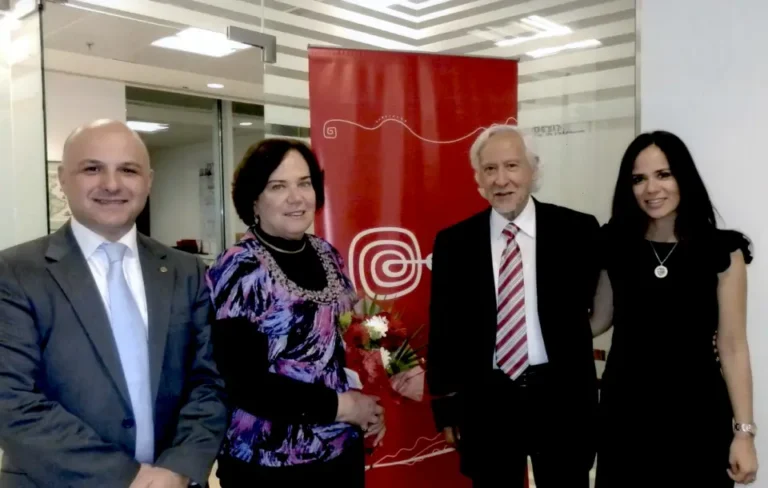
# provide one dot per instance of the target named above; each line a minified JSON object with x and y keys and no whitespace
{"x":277,"y":295}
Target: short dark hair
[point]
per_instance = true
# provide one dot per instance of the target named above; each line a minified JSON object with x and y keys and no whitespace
{"x":695,"y":213}
{"x":260,"y":161}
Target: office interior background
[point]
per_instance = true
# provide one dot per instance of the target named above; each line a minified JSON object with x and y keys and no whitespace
{"x":592,"y":74}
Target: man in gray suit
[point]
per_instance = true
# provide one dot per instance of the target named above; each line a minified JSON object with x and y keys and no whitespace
{"x":106,"y":376}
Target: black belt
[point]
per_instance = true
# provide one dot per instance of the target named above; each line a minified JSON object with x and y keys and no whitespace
{"x":533,"y":375}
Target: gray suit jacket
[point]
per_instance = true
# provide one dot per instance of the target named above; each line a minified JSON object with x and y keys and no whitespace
{"x":65,"y":413}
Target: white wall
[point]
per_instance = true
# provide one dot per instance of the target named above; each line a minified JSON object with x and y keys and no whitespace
{"x":175,"y":208}
{"x":75,"y":100}
{"x":703,"y":76}
{"x":175,"y":195}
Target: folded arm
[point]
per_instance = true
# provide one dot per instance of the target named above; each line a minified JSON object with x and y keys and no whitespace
{"x":37,"y":434}
{"x":241,"y":352}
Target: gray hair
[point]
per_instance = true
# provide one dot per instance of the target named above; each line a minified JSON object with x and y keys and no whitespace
{"x":528,"y":143}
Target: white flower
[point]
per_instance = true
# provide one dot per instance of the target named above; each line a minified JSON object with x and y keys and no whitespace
{"x":386,"y":357}
{"x":377,"y":327}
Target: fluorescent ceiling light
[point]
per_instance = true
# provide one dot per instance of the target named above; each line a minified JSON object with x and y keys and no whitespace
{"x":200,"y":41}
{"x":246,"y":124}
{"x":215,"y":85}
{"x":146,"y":126}
{"x":538,"y":53}
{"x":540,"y":27}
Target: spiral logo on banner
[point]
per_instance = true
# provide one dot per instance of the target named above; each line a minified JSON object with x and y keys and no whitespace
{"x":386,"y":262}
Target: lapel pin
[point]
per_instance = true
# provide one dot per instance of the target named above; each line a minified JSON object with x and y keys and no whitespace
{"x":163,"y":269}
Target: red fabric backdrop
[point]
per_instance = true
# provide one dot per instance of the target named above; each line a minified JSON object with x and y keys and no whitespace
{"x":392,"y":131}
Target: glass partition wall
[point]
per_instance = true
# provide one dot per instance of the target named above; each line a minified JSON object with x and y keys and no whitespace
{"x":23,"y":212}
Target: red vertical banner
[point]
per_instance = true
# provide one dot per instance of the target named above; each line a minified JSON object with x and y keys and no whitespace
{"x":392,"y":131}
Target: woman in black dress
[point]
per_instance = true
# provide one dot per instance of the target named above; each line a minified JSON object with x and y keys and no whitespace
{"x":675,"y":411}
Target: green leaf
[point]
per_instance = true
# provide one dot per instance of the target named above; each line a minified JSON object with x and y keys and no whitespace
{"x":345,"y":320}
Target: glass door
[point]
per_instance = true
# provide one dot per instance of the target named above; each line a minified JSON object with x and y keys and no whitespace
{"x":23,"y":213}
{"x":174,"y":81}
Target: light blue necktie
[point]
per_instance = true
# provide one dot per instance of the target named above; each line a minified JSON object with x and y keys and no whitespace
{"x":132,"y":345}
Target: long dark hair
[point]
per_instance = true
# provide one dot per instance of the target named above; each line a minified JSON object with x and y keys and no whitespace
{"x":695,"y":213}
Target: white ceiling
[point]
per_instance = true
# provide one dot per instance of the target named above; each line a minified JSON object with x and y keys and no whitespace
{"x":115,"y":43}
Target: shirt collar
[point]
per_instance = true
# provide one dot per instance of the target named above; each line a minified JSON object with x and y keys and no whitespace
{"x":89,"y":241}
{"x":526,"y":221}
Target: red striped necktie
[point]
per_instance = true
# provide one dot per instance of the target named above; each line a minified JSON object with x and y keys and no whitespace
{"x":511,"y":332}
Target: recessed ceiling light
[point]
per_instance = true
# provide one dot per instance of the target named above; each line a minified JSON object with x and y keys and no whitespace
{"x":246,"y":124}
{"x":539,"y":27}
{"x":215,"y":85}
{"x":200,"y":41}
{"x":146,"y":126}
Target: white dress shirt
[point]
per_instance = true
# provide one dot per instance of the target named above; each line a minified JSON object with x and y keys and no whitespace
{"x":98,"y":262}
{"x":526,"y":239}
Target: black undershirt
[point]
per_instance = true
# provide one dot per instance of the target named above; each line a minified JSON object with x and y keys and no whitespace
{"x":301,"y":264}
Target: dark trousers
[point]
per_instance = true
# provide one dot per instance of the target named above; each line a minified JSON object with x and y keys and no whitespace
{"x":345,"y":471}
{"x":527,"y":417}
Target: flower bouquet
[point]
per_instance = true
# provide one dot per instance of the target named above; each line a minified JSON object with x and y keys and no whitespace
{"x":381,"y":359}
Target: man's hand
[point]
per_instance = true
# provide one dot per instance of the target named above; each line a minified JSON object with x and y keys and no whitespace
{"x":153,"y":477}
{"x":452,"y":435}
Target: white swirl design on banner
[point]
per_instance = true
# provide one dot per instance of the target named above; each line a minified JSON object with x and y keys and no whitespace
{"x":330,"y":131}
{"x":393,"y":262}
{"x":435,"y":446}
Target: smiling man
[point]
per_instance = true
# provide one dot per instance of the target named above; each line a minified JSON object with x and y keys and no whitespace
{"x":510,"y":351}
{"x":105,"y":358}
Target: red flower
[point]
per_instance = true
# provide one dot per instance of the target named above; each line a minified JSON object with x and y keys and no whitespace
{"x":394,"y":338}
{"x":357,"y":335}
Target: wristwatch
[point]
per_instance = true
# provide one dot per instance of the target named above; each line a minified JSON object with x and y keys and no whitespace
{"x":750,"y":429}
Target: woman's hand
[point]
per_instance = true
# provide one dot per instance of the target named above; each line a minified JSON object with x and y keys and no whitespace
{"x":743,"y":459}
{"x":362,"y":410}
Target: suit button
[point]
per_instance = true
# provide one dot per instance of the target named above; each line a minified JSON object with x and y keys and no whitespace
{"x":128,"y":423}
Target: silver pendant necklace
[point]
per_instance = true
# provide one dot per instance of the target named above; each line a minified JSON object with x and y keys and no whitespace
{"x":661,"y":271}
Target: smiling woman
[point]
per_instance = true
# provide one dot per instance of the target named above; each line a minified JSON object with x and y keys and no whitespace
{"x":278,"y":295}
{"x":670,"y":273}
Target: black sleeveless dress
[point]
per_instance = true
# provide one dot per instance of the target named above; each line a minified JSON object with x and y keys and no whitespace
{"x":665,"y":411}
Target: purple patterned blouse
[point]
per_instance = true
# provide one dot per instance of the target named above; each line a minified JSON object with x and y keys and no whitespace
{"x":245,"y":281}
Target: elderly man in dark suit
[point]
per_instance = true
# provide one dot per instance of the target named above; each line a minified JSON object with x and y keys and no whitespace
{"x":510,"y":354}
{"x":106,"y":377}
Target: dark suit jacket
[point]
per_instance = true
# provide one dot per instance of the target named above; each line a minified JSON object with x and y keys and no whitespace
{"x":65,"y":412}
{"x":463,"y":317}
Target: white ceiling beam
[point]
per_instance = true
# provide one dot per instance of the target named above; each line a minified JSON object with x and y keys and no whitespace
{"x":564,"y":18}
{"x":296,"y":63}
{"x":310,"y":24}
{"x":287,"y":87}
{"x":166,"y":13}
{"x":281,"y":115}
{"x":619,"y":28}
{"x":578,"y":58}
{"x":578,"y":112}
{"x":150,"y":76}
{"x":417,"y":19}
{"x":498,"y":15}
{"x":582,"y":83}
{"x":354,"y":17}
